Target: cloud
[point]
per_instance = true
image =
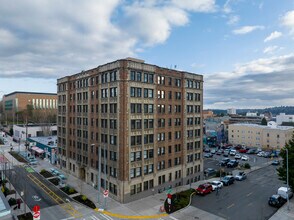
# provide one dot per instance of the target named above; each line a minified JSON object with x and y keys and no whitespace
{"x":227,"y":8}
{"x":53,"y":38}
{"x":271,"y":49}
{"x":267,"y":81}
{"x":247,"y":29}
{"x":233,"y":19}
{"x":288,"y":21}
{"x":272,"y":36}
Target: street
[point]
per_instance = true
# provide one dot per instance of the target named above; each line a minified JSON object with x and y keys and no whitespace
{"x":243,"y":200}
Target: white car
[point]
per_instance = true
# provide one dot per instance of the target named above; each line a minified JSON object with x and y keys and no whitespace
{"x":233,"y":152}
{"x":244,"y":157}
{"x":238,"y":156}
{"x":240,"y":176}
{"x":260,"y":154}
{"x":216,"y":184}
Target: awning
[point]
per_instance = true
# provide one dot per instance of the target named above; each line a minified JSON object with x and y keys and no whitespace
{"x":38,"y":150}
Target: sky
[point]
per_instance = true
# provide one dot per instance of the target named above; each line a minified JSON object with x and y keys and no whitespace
{"x":243,"y":48}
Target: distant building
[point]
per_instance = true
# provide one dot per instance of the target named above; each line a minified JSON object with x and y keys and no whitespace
{"x":282,"y":117}
{"x":244,"y":119}
{"x":231,"y":111}
{"x":251,"y":114}
{"x":15,"y":102}
{"x":207,"y":114}
{"x":252,"y":135}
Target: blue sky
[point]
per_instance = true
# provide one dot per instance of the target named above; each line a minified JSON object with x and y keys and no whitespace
{"x":244,"y":48}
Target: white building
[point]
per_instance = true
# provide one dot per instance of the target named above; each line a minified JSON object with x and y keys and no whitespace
{"x":282,"y":117}
{"x":231,"y":111}
{"x":251,"y":114}
{"x":35,"y":130}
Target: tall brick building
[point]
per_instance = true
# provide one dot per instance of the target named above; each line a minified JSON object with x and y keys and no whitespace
{"x":146,"y":119}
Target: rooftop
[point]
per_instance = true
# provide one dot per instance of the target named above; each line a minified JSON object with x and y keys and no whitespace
{"x":263,"y":126}
{"x":33,"y":93}
{"x":50,"y":141}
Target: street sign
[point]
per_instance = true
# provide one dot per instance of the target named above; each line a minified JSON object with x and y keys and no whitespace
{"x":36,"y":212}
{"x":105,"y":193}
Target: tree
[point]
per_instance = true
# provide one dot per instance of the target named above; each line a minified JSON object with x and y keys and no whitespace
{"x":282,"y":171}
{"x":263,"y":121}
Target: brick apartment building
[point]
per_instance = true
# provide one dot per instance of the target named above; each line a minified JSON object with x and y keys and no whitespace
{"x":146,"y":119}
{"x":15,"y":102}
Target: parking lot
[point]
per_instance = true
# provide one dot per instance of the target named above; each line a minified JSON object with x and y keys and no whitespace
{"x":254,"y":160}
{"x":244,"y":199}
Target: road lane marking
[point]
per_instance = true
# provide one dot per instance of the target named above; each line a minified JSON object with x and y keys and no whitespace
{"x":107,"y":217}
{"x":120,"y":216}
{"x":249,"y":194}
{"x":230,"y":206}
{"x":173,"y":217}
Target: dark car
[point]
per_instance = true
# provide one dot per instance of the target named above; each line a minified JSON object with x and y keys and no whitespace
{"x":204,"y":189}
{"x":226,"y":153}
{"x":252,"y":151}
{"x":228,"y":180}
{"x":276,"y":201}
{"x":209,"y":172}
{"x":267,"y":155}
{"x":206,"y":150}
{"x":224,"y":161}
{"x":232,"y":163}
{"x":276,"y":162}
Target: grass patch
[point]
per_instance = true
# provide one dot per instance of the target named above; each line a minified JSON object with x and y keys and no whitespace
{"x":55,"y":181}
{"x":84,"y":200}
{"x":46,"y":173}
{"x":17,"y":157}
{"x":68,"y":190}
{"x":179,"y":200}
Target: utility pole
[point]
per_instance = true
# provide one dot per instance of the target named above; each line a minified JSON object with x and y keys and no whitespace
{"x":288,"y":189}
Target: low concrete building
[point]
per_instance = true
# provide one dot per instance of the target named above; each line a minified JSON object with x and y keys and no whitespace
{"x":282,"y":117}
{"x":253,"y":135}
{"x":21,"y":132}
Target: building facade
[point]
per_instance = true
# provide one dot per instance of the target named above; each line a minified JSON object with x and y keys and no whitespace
{"x":15,"y":102}
{"x":231,"y":111}
{"x":146,"y":120}
{"x":282,"y":117}
{"x":21,"y":132}
{"x":266,"y":137}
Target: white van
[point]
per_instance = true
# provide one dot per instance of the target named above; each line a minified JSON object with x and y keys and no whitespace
{"x":282,"y":191}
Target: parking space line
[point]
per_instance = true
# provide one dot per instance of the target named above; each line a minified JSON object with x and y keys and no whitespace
{"x":230,"y":206}
{"x":249,"y":194}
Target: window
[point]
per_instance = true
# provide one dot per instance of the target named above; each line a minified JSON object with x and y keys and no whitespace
{"x":148,"y":93}
{"x":178,"y":82}
{"x":161,"y":80}
{"x":136,"y":92}
{"x":113,"y":92}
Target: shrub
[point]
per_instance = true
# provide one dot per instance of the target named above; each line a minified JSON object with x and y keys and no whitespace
{"x":43,"y":171}
{"x":84,"y":198}
{"x":72,"y":190}
{"x":12,"y":201}
{"x":247,"y":166}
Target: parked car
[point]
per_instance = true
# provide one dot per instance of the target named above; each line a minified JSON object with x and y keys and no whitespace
{"x":267,"y":155}
{"x":276,"y":201}
{"x":237,"y":156}
{"x":252,"y":151}
{"x":232,"y":163}
{"x":245,"y":158}
{"x":233,"y":152}
{"x":208,"y":155}
{"x":260,"y":154}
{"x":209,"y":172}
{"x":276,"y":162}
{"x":224,"y":161}
{"x":216,"y":184}
{"x":206,"y":150}
{"x":219,"y":152}
{"x":52,"y":170}
{"x":226,"y":153}
{"x":243,"y":150}
{"x":241,"y":176}
{"x":33,"y":162}
{"x":212,"y":151}
{"x":56,"y":173}
{"x":204,"y":189}
{"x":228,"y":180}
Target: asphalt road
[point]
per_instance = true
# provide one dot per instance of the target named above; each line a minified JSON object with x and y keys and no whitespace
{"x":245,"y":200}
{"x":34,"y":194}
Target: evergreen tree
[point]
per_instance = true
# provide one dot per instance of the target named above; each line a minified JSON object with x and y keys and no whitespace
{"x":263,"y":121}
{"x":282,"y":171}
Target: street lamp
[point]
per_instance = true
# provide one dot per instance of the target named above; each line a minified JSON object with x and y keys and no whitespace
{"x":288,"y":207}
{"x":99,"y":171}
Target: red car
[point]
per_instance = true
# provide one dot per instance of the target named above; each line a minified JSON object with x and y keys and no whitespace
{"x":243,"y":150}
{"x":204,"y":189}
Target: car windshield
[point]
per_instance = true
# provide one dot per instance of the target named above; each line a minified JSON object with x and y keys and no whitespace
{"x":201,"y":187}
